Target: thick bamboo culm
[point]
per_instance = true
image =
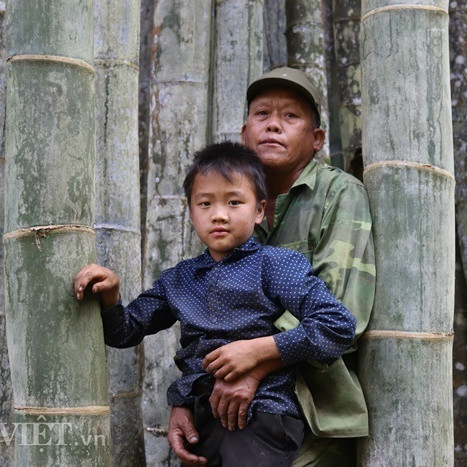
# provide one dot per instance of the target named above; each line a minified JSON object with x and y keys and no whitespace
{"x":237,"y":51}
{"x":406,"y":361}
{"x":6,"y":394}
{"x":306,"y":51}
{"x":117,"y":220}
{"x":55,"y":344}
{"x":179,"y":120}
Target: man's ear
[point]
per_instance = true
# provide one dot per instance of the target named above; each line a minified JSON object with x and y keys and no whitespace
{"x":319,"y":135}
{"x":243,"y":134}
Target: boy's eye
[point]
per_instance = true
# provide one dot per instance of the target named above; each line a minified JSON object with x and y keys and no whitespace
{"x":204,"y":203}
{"x":234,"y":202}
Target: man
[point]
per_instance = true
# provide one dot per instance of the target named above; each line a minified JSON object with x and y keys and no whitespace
{"x":323,"y":213}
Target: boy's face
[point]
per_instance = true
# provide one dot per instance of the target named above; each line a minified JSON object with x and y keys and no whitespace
{"x":224,"y":214}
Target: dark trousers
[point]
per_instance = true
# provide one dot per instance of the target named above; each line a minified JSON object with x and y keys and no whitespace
{"x":269,"y":440}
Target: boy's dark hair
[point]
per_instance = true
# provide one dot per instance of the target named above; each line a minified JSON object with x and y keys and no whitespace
{"x":227,"y":158}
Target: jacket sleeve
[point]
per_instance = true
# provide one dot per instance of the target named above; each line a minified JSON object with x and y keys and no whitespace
{"x":344,"y":256}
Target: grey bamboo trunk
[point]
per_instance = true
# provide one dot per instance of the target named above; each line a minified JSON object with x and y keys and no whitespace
{"x":178,"y":127}
{"x":306,"y":51}
{"x":238,"y":60}
{"x":406,"y":359}
{"x":346,"y":27}
{"x":55,"y":344}
{"x":118,"y":238}
{"x":6,"y":393}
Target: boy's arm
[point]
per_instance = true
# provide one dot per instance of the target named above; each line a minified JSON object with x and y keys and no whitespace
{"x":125,"y":326}
{"x":325,"y":331}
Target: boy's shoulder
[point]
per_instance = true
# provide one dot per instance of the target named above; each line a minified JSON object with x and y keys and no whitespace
{"x":282,"y":255}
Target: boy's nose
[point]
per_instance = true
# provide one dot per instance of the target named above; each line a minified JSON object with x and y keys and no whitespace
{"x":219,"y":215}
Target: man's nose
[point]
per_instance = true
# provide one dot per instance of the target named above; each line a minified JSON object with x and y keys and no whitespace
{"x":274,"y":125}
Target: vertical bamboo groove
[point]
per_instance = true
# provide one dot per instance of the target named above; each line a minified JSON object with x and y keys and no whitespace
{"x":238,"y":60}
{"x":178,"y":126}
{"x":55,"y":344}
{"x":305,"y":45}
{"x":346,"y":26}
{"x":405,"y":363}
{"x":118,"y":239}
{"x":6,"y":394}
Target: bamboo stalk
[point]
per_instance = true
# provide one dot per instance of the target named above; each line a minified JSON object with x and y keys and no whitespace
{"x":306,"y":50}
{"x":238,"y":60}
{"x":407,"y":145}
{"x":6,"y":393}
{"x":178,"y":126}
{"x":118,"y":239}
{"x":346,"y":27}
{"x":55,"y":344}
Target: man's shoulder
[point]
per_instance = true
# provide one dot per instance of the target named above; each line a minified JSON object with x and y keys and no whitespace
{"x":329,"y":174}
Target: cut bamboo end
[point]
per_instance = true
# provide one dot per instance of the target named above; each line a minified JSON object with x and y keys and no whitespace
{"x":89,"y":410}
{"x":44,"y":230}
{"x":413,"y":165}
{"x":403,"y":6}
{"x":52,"y":59}
{"x":383,"y":334}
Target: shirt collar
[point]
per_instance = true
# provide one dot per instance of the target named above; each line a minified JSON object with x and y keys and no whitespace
{"x":307,"y":177}
{"x":205,"y":261}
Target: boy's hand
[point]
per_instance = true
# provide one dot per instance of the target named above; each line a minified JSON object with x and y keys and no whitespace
{"x":232,"y":360}
{"x":103,"y":281}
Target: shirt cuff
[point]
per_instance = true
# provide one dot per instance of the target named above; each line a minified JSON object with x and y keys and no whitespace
{"x":293,"y":345}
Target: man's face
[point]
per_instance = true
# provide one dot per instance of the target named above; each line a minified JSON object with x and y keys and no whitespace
{"x":280,"y":129}
{"x":224,"y":213}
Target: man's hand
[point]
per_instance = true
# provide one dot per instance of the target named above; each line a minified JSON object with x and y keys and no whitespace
{"x":232,"y":360}
{"x":103,"y":281}
{"x":230,"y":401}
{"x":182,"y":431}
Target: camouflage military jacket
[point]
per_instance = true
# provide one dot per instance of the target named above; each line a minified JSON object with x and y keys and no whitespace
{"x":326,"y":217}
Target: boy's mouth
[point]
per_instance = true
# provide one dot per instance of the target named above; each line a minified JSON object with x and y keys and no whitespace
{"x":219,"y":231}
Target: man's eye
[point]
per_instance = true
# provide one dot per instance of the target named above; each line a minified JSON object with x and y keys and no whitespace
{"x":291,"y":115}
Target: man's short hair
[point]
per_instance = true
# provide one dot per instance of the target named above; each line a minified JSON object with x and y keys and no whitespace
{"x":227,"y":158}
{"x":290,"y":78}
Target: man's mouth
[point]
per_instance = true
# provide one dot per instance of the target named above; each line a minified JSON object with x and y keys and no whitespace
{"x":271,"y":141}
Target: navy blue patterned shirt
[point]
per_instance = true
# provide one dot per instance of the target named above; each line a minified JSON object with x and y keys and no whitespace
{"x":238,"y":298}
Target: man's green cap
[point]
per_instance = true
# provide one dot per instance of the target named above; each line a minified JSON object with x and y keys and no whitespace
{"x":290,"y":78}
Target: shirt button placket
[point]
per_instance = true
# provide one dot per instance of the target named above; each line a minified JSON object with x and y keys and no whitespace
{"x":212,"y":293}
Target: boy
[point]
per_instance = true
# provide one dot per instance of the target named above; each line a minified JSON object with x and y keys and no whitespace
{"x":227,"y":301}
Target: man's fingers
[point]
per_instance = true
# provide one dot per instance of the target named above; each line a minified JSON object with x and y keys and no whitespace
{"x":177,"y":441}
{"x":232,"y":416}
{"x":242,"y":415}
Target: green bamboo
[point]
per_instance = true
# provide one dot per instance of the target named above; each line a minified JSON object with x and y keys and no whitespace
{"x":6,"y":393}
{"x":346,"y":28}
{"x":117,"y":220}
{"x":179,"y":120}
{"x":238,"y":60}
{"x":306,"y":51}
{"x":55,"y":344}
{"x":406,"y":355}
